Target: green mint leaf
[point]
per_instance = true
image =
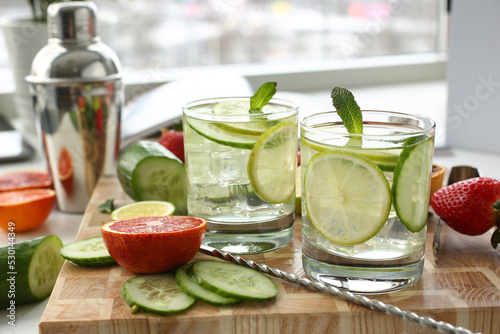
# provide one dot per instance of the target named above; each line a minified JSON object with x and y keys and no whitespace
{"x":348,"y":110}
{"x":262,"y":97}
{"x":106,"y":207}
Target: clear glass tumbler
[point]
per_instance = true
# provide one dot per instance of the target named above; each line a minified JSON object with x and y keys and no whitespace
{"x":241,"y":169}
{"x":365,"y":200}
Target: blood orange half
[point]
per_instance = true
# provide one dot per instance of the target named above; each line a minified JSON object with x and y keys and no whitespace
{"x":27,"y":209}
{"x":150,"y":245}
{"x":25,"y":179}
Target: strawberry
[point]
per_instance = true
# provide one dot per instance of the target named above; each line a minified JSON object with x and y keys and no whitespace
{"x":173,"y":140}
{"x":471,"y":206}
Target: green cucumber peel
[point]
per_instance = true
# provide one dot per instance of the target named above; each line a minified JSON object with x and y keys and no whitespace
{"x":263,"y":95}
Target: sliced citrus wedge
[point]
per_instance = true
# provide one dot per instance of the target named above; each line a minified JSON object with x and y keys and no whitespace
{"x":347,"y":197}
{"x":272,"y":163}
{"x":143,"y":209}
{"x":412,"y":184}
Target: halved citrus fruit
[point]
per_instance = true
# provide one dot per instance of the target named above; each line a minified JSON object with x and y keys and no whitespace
{"x":347,"y":197}
{"x":150,"y":245}
{"x":25,"y":179}
{"x":143,"y":209}
{"x":27,"y":209}
{"x":273,"y":162}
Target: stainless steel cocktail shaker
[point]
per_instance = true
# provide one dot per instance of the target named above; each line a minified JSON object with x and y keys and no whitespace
{"x":77,"y":95}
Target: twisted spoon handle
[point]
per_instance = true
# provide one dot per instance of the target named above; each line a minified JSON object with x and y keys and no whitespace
{"x":427,"y":322}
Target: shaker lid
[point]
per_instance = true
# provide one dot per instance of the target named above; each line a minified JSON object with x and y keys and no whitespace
{"x":72,"y":21}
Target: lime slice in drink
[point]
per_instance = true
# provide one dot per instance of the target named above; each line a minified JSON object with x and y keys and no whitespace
{"x":411,"y":186}
{"x":237,"y":107}
{"x":348,"y":198}
{"x":143,"y":209}
{"x":272,"y":163}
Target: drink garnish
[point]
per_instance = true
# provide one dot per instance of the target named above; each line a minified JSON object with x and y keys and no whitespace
{"x":348,"y":110}
{"x":263,"y":95}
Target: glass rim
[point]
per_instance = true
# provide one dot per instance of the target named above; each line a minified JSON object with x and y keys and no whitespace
{"x":427,"y":120}
{"x":292,"y":108}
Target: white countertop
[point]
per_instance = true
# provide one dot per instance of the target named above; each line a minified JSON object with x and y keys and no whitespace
{"x":428,"y":98}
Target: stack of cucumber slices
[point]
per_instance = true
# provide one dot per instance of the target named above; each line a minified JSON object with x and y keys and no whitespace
{"x":212,"y":282}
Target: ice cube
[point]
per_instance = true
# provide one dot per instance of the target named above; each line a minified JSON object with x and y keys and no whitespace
{"x":229,"y":167}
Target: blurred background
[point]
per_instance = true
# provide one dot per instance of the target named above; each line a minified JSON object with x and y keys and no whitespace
{"x":163,"y":34}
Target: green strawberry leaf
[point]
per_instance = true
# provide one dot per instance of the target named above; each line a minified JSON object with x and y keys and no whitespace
{"x":495,"y":238}
{"x":263,"y":95}
{"x":348,"y":110}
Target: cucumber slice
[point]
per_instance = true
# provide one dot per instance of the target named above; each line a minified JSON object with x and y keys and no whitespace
{"x":30,"y":270}
{"x":233,"y":281}
{"x":91,"y":252}
{"x":191,"y":288}
{"x":411,"y":186}
{"x":155,"y":294}
{"x":148,"y":171}
{"x":221,"y":135}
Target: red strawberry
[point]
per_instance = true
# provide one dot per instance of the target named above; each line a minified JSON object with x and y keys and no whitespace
{"x":173,"y":140}
{"x":471,"y":206}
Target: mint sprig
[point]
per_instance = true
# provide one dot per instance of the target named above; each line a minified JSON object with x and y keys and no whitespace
{"x":348,"y":110}
{"x":263,"y":95}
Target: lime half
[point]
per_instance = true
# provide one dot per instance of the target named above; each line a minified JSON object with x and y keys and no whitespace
{"x":272,"y":163}
{"x":143,"y":209}
{"x":347,"y":197}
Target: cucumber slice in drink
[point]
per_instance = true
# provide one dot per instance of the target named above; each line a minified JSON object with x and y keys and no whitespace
{"x":411,"y":185}
{"x":148,"y":171}
{"x":385,"y":160}
{"x":240,"y":108}
{"x":155,"y":294}
{"x":272,"y":163}
{"x":191,"y":288}
{"x":30,"y":270}
{"x":233,"y":281}
{"x":347,"y":197}
{"x":214,"y":132}
{"x":91,"y":252}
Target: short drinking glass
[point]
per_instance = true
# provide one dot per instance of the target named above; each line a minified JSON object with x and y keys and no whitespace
{"x":241,"y":169}
{"x":365,"y":200}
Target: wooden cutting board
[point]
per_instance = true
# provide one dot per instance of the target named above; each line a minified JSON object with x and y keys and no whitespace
{"x":463,"y":289}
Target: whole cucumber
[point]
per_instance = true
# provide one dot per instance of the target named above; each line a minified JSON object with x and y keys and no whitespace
{"x":29,"y":270}
{"x":148,"y":171}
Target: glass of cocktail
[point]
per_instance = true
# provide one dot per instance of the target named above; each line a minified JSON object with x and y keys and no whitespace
{"x":365,"y":199}
{"x":241,"y":168}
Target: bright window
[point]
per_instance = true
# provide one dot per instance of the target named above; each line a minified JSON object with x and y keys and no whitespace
{"x":166,"y":34}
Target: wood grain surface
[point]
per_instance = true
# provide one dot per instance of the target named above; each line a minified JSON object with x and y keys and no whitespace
{"x":463,"y":289}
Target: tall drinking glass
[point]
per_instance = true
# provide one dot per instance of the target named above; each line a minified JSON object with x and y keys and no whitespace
{"x":365,"y":199}
{"x":241,"y":172}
